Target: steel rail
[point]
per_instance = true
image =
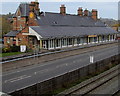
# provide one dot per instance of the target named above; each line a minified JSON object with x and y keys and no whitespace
{"x":92,"y":82}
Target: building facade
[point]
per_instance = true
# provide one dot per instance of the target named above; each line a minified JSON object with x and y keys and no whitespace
{"x":47,"y":30}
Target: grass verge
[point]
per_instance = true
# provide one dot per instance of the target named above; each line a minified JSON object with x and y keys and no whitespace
{"x":9,"y":54}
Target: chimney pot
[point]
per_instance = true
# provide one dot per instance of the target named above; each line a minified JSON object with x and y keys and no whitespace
{"x":80,"y":11}
{"x":63,"y":9}
{"x":32,"y":2}
{"x":94,"y":9}
{"x":34,"y":5}
{"x":80,"y":8}
{"x":94,"y":14}
{"x":85,"y":12}
{"x":62,"y":5}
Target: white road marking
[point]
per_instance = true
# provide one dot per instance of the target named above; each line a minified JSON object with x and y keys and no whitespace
{"x":20,"y":79}
{"x":17,"y":78}
{"x":42,"y":71}
{"x":13,"y":78}
{"x":62,"y":65}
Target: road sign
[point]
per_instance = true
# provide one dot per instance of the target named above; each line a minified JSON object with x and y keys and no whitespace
{"x":91,"y":59}
{"x":22,"y":48}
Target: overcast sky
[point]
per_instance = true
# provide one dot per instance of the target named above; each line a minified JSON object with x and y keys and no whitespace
{"x":105,"y":9}
{"x":61,"y":0}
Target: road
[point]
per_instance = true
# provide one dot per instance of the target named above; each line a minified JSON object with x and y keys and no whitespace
{"x":25,"y":77}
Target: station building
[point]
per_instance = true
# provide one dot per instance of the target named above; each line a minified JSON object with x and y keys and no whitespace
{"x":48,"y":30}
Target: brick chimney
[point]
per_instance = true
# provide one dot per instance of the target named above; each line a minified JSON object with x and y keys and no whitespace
{"x":85,"y":12}
{"x":80,"y":11}
{"x":34,"y":5}
{"x":37,"y":6}
{"x":63,"y":10}
{"x":94,"y":14}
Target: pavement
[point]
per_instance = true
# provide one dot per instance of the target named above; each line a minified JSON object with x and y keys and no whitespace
{"x":40,"y":58}
{"x":21,"y":78}
{"x":46,"y":52}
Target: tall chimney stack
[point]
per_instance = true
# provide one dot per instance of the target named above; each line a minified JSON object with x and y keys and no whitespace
{"x":85,"y":12}
{"x":63,"y":10}
{"x":80,"y":11}
{"x":94,"y":14}
{"x":34,"y":5}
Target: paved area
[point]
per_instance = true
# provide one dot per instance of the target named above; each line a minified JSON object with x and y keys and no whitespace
{"x":63,"y":49}
{"x":25,"y":77}
{"x":46,"y":58}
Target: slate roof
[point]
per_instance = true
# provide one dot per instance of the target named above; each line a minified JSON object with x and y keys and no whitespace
{"x":57,"y":19}
{"x":11,"y":34}
{"x":24,"y":9}
{"x":55,"y":25}
{"x":68,"y":31}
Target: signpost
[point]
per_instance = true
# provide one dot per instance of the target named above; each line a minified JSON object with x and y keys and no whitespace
{"x":118,"y":29}
{"x":91,"y":59}
{"x":22,"y":48}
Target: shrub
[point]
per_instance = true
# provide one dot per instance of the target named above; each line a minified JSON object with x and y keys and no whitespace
{"x":5,"y":50}
{"x":11,"y":49}
{"x":15,"y":48}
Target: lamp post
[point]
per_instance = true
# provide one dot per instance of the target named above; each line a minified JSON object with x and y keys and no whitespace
{"x":36,"y":51}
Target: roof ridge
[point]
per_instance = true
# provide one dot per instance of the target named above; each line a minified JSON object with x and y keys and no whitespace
{"x":61,"y":14}
{"x":24,"y":3}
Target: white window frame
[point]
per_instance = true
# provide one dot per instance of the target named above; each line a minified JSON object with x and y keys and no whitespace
{"x":51,"y":44}
{"x":59,"y":43}
{"x":44,"y":44}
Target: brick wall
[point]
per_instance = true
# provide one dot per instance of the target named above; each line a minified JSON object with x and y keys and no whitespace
{"x":22,"y":39}
{"x":5,"y":41}
{"x":23,"y":23}
{"x":14,"y":23}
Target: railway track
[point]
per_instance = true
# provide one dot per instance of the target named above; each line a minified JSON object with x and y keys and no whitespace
{"x":90,"y":85}
{"x":117,"y":93}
